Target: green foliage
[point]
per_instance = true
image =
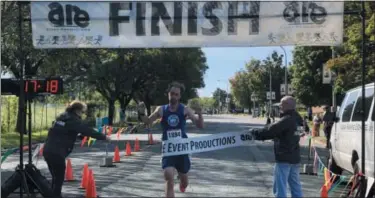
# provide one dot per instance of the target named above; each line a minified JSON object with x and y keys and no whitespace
{"x":308,"y":61}
{"x":9,"y":106}
{"x":307,"y":76}
{"x":219,"y":97}
{"x":186,"y":66}
{"x":206,"y":103}
{"x":255,"y":79}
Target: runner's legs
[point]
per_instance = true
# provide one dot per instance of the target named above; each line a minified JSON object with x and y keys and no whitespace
{"x":169,"y":181}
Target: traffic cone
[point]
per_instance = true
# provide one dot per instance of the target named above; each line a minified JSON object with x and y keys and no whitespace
{"x":150,"y":139}
{"x":41,"y":150}
{"x":69,"y":171}
{"x":89,"y":185}
{"x":93,"y":186}
{"x":136,"y":145}
{"x":85,"y":176}
{"x":116,"y":157}
{"x":128,"y":150}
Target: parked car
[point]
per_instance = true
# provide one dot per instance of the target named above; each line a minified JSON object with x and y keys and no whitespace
{"x":346,"y":135}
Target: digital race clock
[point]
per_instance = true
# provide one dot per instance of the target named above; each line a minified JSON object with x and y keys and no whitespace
{"x":32,"y":86}
{"x":49,"y":86}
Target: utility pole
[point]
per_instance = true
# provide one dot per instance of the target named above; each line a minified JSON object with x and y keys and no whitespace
{"x":286,"y":71}
{"x":333,"y":77}
{"x":270,"y":110}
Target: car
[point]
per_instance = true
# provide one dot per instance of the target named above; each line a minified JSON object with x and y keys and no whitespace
{"x":345,"y":144}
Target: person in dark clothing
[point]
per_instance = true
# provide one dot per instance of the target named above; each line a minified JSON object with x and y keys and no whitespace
{"x":328,"y":119}
{"x":286,"y":134}
{"x":60,"y":141}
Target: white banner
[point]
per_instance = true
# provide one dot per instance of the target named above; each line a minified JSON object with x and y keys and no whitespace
{"x":185,"y":24}
{"x":206,"y":143}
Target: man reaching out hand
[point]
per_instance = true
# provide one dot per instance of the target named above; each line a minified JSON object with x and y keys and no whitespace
{"x":173,"y":122}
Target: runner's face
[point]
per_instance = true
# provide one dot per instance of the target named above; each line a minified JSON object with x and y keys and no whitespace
{"x":174,"y":95}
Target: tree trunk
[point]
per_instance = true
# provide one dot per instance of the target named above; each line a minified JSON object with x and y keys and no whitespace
{"x":111,"y":111}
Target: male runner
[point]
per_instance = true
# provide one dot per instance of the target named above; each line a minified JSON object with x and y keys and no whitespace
{"x":173,"y":125}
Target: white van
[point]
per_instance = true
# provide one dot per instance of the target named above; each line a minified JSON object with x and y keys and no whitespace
{"x":346,"y":135}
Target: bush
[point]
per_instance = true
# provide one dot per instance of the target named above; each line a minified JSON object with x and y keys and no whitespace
{"x":9,"y":107}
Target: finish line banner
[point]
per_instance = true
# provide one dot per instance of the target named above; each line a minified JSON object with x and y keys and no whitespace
{"x":185,"y":24}
{"x":205,"y":143}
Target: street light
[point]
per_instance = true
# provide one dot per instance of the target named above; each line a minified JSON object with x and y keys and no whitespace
{"x":286,"y":71}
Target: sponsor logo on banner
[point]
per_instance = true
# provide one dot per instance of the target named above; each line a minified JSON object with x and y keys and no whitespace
{"x":185,"y":24}
{"x":67,"y":16}
{"x":205,"y":143}
{"x":298,"y":13}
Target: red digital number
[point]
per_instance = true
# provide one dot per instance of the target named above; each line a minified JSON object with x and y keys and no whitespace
{"x":35,"y":85}
{"x":26,"y":86}
{"x":54,"y":86}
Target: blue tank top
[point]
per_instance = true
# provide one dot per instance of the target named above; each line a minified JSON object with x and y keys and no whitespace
{"x":173,"y":123}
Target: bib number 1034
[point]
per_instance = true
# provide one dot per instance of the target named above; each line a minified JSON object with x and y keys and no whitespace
{"x":174,"y":134}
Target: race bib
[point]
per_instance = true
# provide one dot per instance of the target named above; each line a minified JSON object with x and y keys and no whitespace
{"x":174,"y":134}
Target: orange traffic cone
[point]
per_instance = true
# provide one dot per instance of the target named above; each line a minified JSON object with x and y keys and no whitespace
{"x":91,"y":188}
{"x":41,"y":150}
{"x":136,"y":145}
{"x":324,"y":192}
{"x":116,"y":157}
{"x":128,"y":150}
{"x":85,"y":177}
{"x":150,"y":139}
{"x":69,"y":171}
{"x":89,"y":185}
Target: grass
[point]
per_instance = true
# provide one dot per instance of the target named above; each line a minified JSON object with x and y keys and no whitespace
{"x":11,"y":140}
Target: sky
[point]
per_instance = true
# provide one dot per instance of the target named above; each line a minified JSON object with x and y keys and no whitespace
{"x":223,"y":63}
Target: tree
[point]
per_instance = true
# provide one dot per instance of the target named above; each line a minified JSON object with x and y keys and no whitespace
{"x":347,"y":65}
{"x":307,"y":76}
{"x":308,"y":61}
{"x":220,"y":96}
{"x":33,"y":59}
{"x":186,"y":66}
{"x":255,"y":80}
{"x":240,"y":87}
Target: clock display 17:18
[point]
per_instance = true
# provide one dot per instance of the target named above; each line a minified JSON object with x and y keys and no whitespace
{"x":42,"y":86}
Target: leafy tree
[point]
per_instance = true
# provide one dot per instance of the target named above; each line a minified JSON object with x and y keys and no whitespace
{"x":220,"y":96}
{"x":308,"y":61}
{"x":186,"y":66}
{"x":255,"y":80}
{"x":240,"y":87}
{"x":307,"y":76}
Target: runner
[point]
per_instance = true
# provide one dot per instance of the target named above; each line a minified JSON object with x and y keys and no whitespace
{"x":173,"y":123}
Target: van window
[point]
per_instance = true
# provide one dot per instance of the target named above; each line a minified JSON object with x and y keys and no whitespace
{"x":348,"y":107}
{"x":358,"y":105}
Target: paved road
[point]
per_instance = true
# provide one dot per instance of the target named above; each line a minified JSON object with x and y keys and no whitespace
{"x":236,"y":172}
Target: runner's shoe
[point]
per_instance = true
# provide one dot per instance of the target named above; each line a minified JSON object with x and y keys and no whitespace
{"x":182,"y":188}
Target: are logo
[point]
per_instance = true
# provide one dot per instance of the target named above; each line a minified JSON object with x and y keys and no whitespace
{"x":173,"y":120}
{"x":310,"y":13}
{"x":70,"y":16}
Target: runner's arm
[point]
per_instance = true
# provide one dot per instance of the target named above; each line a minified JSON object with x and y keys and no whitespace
{"x":154,"y":116}
{"x":198,"y":121}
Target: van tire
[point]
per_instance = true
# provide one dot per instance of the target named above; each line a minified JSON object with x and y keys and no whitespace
{"x":358,"y":191}
{"x":332,"y":166}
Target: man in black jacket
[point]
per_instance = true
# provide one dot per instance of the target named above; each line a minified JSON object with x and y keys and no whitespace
{"x":61,"y":138}
{"x":286,"y":135}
